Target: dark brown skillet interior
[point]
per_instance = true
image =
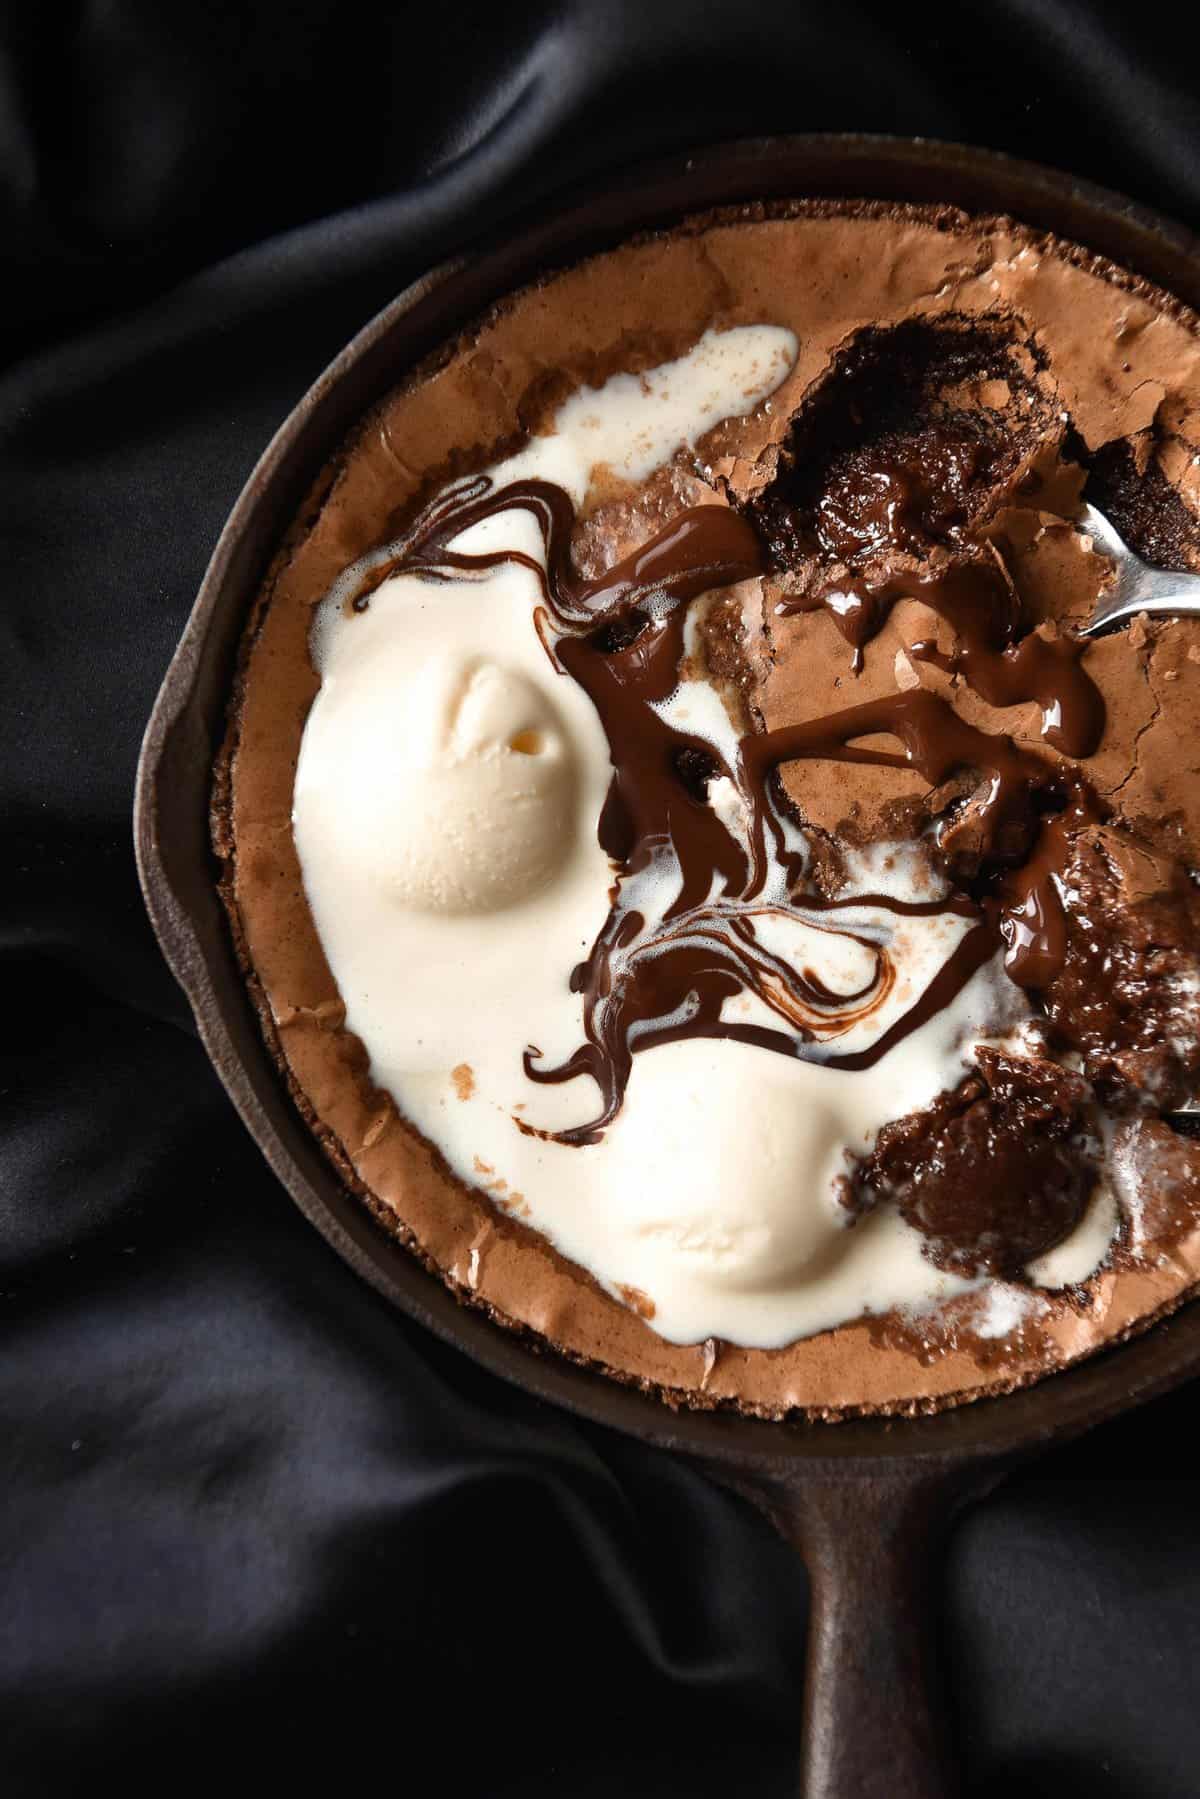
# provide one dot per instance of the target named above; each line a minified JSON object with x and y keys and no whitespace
{"x":896,"y":1464}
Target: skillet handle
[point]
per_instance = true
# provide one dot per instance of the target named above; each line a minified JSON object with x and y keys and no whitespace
{"x":875,"y":1724}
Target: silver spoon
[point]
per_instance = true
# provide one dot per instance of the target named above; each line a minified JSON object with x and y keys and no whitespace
{"x":1137,"y":587}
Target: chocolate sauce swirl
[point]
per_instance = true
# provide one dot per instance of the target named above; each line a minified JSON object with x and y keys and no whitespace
{"x":918,"y":502}
{"x":977,"y":600}
{"x":658,"y":973}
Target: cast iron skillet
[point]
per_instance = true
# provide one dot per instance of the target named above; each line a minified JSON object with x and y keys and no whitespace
{"x":865,"y":1502}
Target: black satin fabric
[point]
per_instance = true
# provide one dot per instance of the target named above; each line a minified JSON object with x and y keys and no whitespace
{"x":255,"y":1527}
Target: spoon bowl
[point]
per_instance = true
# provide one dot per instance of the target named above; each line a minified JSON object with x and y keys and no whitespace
{"x":1136,"y":587}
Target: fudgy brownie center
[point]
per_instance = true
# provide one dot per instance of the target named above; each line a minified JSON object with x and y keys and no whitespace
{"x":903,"y":444}
{"x":994,"y":1174}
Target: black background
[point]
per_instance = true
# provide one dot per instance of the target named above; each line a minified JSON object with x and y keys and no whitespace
{"x":254,"y":1526}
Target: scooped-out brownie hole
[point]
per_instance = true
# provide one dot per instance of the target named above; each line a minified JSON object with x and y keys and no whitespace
{"x":903,"y":443}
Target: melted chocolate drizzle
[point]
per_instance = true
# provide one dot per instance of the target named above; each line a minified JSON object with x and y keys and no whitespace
{"x":920,"y":504}
{"x":1023,"y":820}
{"x":976,"y":599}
{"x":654,"y":980}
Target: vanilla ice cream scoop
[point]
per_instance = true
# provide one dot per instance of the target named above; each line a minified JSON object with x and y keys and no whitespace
{"x":730,"y":1193}
{"x":455,"y":784}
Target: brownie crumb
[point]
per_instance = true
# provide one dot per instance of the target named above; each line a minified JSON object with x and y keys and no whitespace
{"x":695,"y":768}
